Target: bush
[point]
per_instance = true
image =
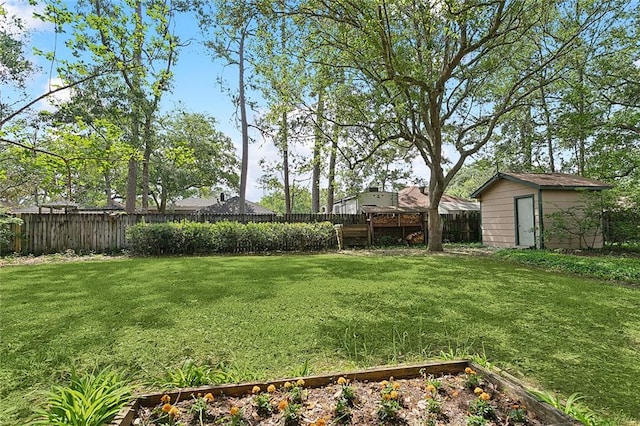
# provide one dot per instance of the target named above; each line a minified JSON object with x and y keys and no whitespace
{"x":90,"y":400}
{"x":6,"y":229}
{"x":191,"y":238}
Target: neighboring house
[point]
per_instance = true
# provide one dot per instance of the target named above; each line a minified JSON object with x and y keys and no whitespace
{"x":516,"y":206}
{"x":192,"y":204}
{"x":412,"y":197}
{"x":232,"y":206}
{"x":372,"y":197}
{"x":215,"y":205}
{"x":418,"y":198}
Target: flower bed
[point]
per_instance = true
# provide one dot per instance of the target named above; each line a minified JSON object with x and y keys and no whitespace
{"x":457,"y":392}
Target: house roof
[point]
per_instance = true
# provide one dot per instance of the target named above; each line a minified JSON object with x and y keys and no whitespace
{"x":196,"y":202}
{"x":414,"y":197}
{"x":232,"y":206}
{"x":558,"y":181}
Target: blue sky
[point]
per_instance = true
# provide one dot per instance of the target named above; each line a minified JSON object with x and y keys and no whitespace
{"x":195,"y":83}
{"x":195,"y":86}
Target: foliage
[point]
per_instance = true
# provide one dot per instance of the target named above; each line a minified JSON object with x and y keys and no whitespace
{"x":482,"y":408}
{"x":89,"y":400}
{"x":263,"y":404}
{"x":7,"y":224}
{"x":228,"y":237}
{"x":581,"y":221}
{"x":291,"y":414}
{"x":388,"y":411}
{"x":438,"y":86}
{"x":571,"y":406}
{"x":191,"y":157}
{"x":261,"y":316}
{"x":191,"y":374}
{"x":616,"y":268}
{"x":476,"y":420}
{"x":621,"y":225}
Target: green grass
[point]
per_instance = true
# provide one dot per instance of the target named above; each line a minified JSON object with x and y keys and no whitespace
{"x":266,"y":316}
{"x":614,"y":268}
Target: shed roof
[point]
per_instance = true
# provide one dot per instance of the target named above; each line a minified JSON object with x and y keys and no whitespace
{"x":559,"y":181}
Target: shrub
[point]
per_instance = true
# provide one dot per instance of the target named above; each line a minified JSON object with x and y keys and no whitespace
{"x":90,"y":400}
{"x":6,"y":229}
{"x":189,"y":238}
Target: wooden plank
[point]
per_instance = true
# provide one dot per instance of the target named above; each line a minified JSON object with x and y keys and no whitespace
{"x":509,"y":384}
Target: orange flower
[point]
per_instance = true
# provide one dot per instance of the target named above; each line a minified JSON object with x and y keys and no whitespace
{"x":208,"y":397}
{"x":396,"y":385}
{"x":300,"y":382}
{"x":319,"y":422}
{"x":283,"y":405}
{"x":469,"y":370}
{"x":393,"y":394}
{"x":234,"y":410}
{"x":271,"y":388}
{"x":383,"y":384}
{"x":165,"y":399}
{"x":431,"y":388}
{"x":255,"y":389}
{"x":478,"y":391}
{"x":174,"y":412}
{"x":484,"y":396}
{"x":167,"y":407}
{"x":288,"y":385}
{"x":342,"y":381}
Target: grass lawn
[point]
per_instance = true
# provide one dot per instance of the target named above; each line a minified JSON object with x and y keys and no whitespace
{"x":264,"y":317}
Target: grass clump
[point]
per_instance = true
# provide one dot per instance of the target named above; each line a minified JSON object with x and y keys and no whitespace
{"x":89,"y":400}
{"x":614,"y":268}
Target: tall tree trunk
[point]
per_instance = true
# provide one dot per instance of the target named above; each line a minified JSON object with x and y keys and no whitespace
{"x":146,"y":160}
{"x":284,"y":129}
{"x":244,"y":124}
{"x":163,"y":199}
{"x":434,"y":225}
{"x":526,"y":137}
{"x":548,"y":131}
{"x":331,"y":179}
{"x":132,"y":176}
{"x":132,"y":185}
{"x":107,"y":189}
{"x":317,"y":145}
{"x":582,"y":131}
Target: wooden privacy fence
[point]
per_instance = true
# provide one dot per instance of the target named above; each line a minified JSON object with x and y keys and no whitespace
{"x":461,"y":227}
{"x":106,"y":232}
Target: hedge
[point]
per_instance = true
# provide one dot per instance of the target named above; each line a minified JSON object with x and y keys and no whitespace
{"x":193,"y":238}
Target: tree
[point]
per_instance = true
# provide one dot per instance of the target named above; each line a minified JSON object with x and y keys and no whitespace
{"x":15,"y":68}
{"x":137,"y":40}
{"x":232,"y":25}
{"x":191,"y":157}
{"x":446,"y":71}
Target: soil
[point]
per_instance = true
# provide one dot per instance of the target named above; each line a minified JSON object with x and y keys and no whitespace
{"x":454,"y":398}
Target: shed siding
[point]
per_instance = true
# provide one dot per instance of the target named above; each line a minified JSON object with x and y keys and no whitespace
{"x":498,"y":221}
{"x":555,"y":200}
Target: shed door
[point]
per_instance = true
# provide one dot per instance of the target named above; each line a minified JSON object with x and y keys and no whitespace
{"x":525,"y":225}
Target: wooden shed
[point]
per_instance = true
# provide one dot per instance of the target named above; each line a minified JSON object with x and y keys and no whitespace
{"x":514,"y":208}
